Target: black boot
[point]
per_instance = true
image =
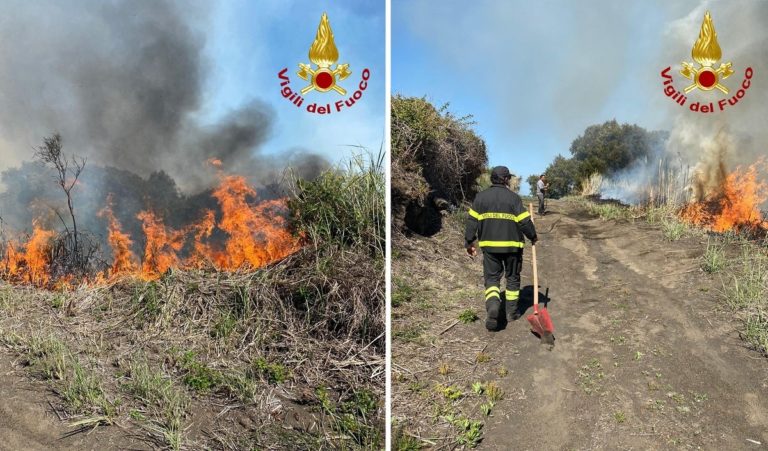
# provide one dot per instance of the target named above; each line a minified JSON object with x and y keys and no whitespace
{"x":512,"y":313}
{"x":492,"y":307}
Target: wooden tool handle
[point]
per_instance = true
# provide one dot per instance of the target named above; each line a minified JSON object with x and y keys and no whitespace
{"x":535,"y":274}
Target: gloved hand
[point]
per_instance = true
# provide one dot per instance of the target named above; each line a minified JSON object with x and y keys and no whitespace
{"x":472,"y":251}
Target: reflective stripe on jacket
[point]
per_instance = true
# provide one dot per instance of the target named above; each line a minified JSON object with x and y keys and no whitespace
{"x":499,"y":221}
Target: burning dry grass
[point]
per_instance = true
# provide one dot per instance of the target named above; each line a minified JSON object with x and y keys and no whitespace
{"x":733,"y":206}
{"x":290,"y":353}
{"x":256,"y":234}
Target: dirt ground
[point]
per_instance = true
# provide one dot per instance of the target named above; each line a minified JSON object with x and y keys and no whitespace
{"x":645,"y":356}
{"x":28,"y":421}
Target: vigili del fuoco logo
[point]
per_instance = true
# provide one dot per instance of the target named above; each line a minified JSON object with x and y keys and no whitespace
{"x":704,"y":76}
{"x":322,"y":76}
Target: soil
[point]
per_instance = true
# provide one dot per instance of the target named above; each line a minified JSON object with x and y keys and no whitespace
{"x":28,"y":420}
{"x":646,"y":355}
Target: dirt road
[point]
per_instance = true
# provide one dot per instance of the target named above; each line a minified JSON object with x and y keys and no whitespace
{"x":645,"y":357}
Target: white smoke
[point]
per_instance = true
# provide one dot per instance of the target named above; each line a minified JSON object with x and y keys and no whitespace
{"x":704,"y":147}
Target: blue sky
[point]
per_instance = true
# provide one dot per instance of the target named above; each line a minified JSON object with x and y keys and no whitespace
{"x":250,"y":42}
{"x":536,"y":74}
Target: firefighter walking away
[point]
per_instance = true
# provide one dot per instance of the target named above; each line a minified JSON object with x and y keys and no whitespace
{"x":498,"y":221}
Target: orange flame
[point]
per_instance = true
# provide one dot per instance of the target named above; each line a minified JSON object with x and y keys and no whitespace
{"x":257,"y":234}
{"x":215,"y":162}
{"x":31,"y":264}
{"x":250,"y":235}
{"x":735,"y":205}
{"x":163,"y":245}
{"x":123,"y":259}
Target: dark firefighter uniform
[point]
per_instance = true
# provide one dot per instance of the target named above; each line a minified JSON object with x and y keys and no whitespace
{"x":498,"y":220}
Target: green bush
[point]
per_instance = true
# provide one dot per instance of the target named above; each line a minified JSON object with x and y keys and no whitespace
{"x":434,"y":152}
{"x":344,"y":206}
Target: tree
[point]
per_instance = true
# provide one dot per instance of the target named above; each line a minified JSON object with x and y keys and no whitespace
{"x":609,"y":147}
{"x":532,"y":180}
{"x":68,"y":170}
{"x":562,"y":176}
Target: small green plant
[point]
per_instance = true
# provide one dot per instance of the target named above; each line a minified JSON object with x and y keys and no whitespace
{"x":483,"y":357}
{"x":167,"y":403}
{"x":224,"y":327}
{"x":409,"y":334}
{"x":700,"y":397}
{"x":198,"y":376}
{"x":713,"y":259}
{"x":478,"y":388}
{"x":756,"y":331}
{"x":450,"y":392}
{"x":402,"y":292}
{"x":58,"y":301}
{"x":654,"y":215}
{"x":620,"y":417}
{"x":147,"y":299}
{"x":590,"y":376}
{"x":486,"y":408}
{"x":609,"y":211}
{"x":658,"y":405}
{"x":748,"y":282}
{"x":502,"y":371}
{"x":83,"y":392}
{"x":493,"y":392}
{"x":673,"y":229}
{"x":274,"y":373}
{"x":48,"y":356}
{"x":470,"y":432}
{"x":444,"y":369}
{"x":351,"y":418}
{"x":405,"y":442}
{"x":468,"y":316}
{"x":679,"y":398}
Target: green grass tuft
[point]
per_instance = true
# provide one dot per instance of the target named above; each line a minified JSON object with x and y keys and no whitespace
{"x":468,"y":316}
{"x":713,"y":259}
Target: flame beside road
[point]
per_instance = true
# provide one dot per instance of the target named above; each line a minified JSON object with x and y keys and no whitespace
{"x":734,"y":205}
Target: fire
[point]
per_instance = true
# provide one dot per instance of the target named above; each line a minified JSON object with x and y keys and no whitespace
{"x":119,"y":242}
{"x":29,"y":262}
{"x":248,"y":234}
{"x":215,"y":162}
{"x":734,"y":205}
{"x":258,"y":234}
{"x":163,"y":245}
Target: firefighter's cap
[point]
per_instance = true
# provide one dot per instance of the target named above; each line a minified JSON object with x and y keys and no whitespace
{"x":500,"y":173}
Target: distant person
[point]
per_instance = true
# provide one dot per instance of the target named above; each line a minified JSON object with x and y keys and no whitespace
{"x":499,"y":221}
{"x":541,"y":190}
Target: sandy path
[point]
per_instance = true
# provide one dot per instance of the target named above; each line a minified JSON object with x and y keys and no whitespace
{"x":644,"y":359}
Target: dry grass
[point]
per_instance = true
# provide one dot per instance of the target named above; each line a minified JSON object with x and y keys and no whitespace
{"x":299,"y":328}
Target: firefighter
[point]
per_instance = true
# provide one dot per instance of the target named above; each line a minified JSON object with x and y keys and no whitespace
{"x":498,"y":220}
